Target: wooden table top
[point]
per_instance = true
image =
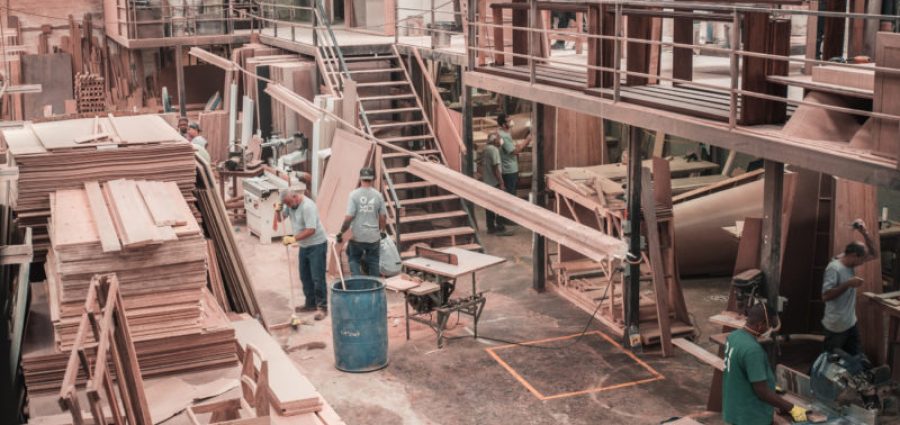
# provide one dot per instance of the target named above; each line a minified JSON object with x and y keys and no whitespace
{"x":469,"y":262}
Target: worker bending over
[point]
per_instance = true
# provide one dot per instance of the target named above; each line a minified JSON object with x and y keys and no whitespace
{"x":493,"y":177}
{"x":509,"y":161}
{"x":367,"y":217}
{"x":839,"y":293}
{"x":748,"y":386}
{"x":310,"y":235}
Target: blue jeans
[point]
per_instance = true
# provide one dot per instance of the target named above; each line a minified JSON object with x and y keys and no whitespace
{"x":359,"y":253}
{"x":847,"y":340}
{"x":312,"y":274}
{"x":511,"y":181}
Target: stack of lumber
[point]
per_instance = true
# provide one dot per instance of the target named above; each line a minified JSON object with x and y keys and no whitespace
{"x":50,"y":158}
{"x":212,"y":347}
{"x":606,"y":192}
{"x":230,"y":271}
{"x":298,"y":76}
{"x":144,"y":232}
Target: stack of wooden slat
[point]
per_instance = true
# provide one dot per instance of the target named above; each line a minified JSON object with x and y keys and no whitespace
{"x":90,"y":93}
{"x":210,"y":348}
{"x":144,"y":232}
{"x":49,"y":158}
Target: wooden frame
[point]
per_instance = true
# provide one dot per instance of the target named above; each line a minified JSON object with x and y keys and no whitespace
{"x":114,"y":340}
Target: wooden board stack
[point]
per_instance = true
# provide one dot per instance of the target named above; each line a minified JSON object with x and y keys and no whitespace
{"x":50,"y":158}
{"x":144,"y":232}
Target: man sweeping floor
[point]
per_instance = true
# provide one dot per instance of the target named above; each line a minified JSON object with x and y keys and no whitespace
{"x":310,"y":235}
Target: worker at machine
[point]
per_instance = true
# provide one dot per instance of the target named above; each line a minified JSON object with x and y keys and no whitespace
{"x":367,"y":217}
{"x":509,"y":161}
{"x":748,"y":387}
{"x":839,"y":293}
{"x":492,"y":176}
{"x":199,"y":142}
{"x":183,"y":126}
{"x":310,"y":235}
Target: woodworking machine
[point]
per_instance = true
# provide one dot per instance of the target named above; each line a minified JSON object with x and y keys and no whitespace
{"x":262,"y":195}
{"x":846,"y":388}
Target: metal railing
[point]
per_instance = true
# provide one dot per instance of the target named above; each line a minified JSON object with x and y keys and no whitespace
{"x":150,"y":21}
{"x":670,"y":10}
{"x":435,"y":23}
{"x":331,"y":59}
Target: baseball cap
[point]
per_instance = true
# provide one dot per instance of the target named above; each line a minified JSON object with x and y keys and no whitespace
{"x":367,"y":174}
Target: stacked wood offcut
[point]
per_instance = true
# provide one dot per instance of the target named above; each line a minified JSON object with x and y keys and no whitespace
{"x":90,"y":93}
{"x":603,"y":188}
{"x":60,"y":155}
{"x":145,"y":233}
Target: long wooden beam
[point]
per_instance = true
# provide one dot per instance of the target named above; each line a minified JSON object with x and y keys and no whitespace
{"x":837,"y":159}
{"x":585,"y":240}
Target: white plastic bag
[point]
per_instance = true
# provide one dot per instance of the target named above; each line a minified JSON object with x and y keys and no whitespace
{"x":389,"y":258}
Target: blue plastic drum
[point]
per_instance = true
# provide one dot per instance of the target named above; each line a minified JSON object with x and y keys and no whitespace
{"x":359,"y":324}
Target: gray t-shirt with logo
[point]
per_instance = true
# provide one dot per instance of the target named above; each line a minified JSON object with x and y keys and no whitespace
{"x":365,"y":206}
{"x":840,"y":313}
{"x":490,"y":160}
{"x":306,"y":216}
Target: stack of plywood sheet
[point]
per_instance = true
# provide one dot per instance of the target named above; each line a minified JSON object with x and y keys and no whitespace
{"x":144,"y":232}
{"x":65,"y":154}
{"x":298,"y":76}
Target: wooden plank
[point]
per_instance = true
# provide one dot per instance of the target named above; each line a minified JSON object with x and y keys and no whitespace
{"x":127,"y":207}
{"x":15,"y":254}
{"x":887,"y":95}
{"x":109,"y":239}
{"x":700,"y":353}
{"x":163,"y":209}
{"x":654,"y":252}
{"x":291,"y":392}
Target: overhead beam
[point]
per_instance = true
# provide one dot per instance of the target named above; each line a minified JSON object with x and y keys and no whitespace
{"x":836,"y":159}
{"x":585,"y":240}
{"x":213,"y":59}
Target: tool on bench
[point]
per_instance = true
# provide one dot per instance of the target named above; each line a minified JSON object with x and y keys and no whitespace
{"x":846,"y":388}
{"x":439,"y":270}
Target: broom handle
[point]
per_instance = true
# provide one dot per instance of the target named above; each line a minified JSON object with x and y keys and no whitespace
{"x":337,"y":258}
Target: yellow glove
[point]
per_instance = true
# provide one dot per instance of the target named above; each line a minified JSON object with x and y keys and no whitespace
{"x":798,"y":414}
{"x":288,"y":240}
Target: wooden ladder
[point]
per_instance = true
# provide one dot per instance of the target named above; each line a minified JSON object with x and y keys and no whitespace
{"x":419,"y":212}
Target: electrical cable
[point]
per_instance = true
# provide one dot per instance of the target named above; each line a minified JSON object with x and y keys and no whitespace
{"x":558,"y":347}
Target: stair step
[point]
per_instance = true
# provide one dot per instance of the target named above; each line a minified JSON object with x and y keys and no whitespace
{"x":412,"y":185}
{"x":407,"y":138}
{"x":405,"y":155}
{"x":371,"y":71}
{"x":432,"y":216}
{"x":398,"y":124}
{"x":395,"y":170}
{"x":426,"y":200}
{"x":383,"y":84}
{"x":435,"y":234}
{"x":364,"y":58}
{"x":388,"y":97}
{"x":394,"y":110}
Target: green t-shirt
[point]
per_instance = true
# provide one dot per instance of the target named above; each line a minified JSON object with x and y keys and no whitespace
{"x":745,"y":363}
{"x":509,"y":162}
{"x":490,"y":159}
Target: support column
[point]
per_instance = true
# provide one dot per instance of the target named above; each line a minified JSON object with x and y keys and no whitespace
{"x":539,"y":260}
{"x":468,"y":167}
{"x":179,"y":75}
{"x":632,"y":287}
{"x":770,"y":257}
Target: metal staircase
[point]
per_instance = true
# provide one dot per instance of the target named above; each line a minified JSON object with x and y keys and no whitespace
{"x":389,"y":108}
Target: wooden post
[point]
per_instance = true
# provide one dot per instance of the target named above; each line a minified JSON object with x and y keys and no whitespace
{"x":638,"y":54}
{"x":520,"y":37}
{"x":832,"y":29}
{"x":539,"y":260}
{"x":770,"y":255}
{"x":179,"y":75}
{"x":683,"y":57}
{"x":499,"y":56}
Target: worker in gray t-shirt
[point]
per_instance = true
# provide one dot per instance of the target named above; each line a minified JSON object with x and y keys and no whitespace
{"x":310,"y":235}
{"x":366,"y":217}
{"x":493,"y":177}
{"x":509,"y":157}
{"x":839,"y":293}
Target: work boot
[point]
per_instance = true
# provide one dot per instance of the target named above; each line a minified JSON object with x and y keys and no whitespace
{"x":321,"y":314}
{"x":307,"y":309}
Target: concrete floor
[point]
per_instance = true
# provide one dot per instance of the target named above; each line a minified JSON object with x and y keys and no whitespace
{"x":463,"y":384}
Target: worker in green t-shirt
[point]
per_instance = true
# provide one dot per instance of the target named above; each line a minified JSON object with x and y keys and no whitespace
{"x":748,"y":387}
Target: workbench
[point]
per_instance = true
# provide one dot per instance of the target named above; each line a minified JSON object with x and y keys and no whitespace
{"x":444,"y":275}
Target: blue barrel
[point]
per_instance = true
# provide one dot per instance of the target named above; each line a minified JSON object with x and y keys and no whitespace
{"x":359,"y":324}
